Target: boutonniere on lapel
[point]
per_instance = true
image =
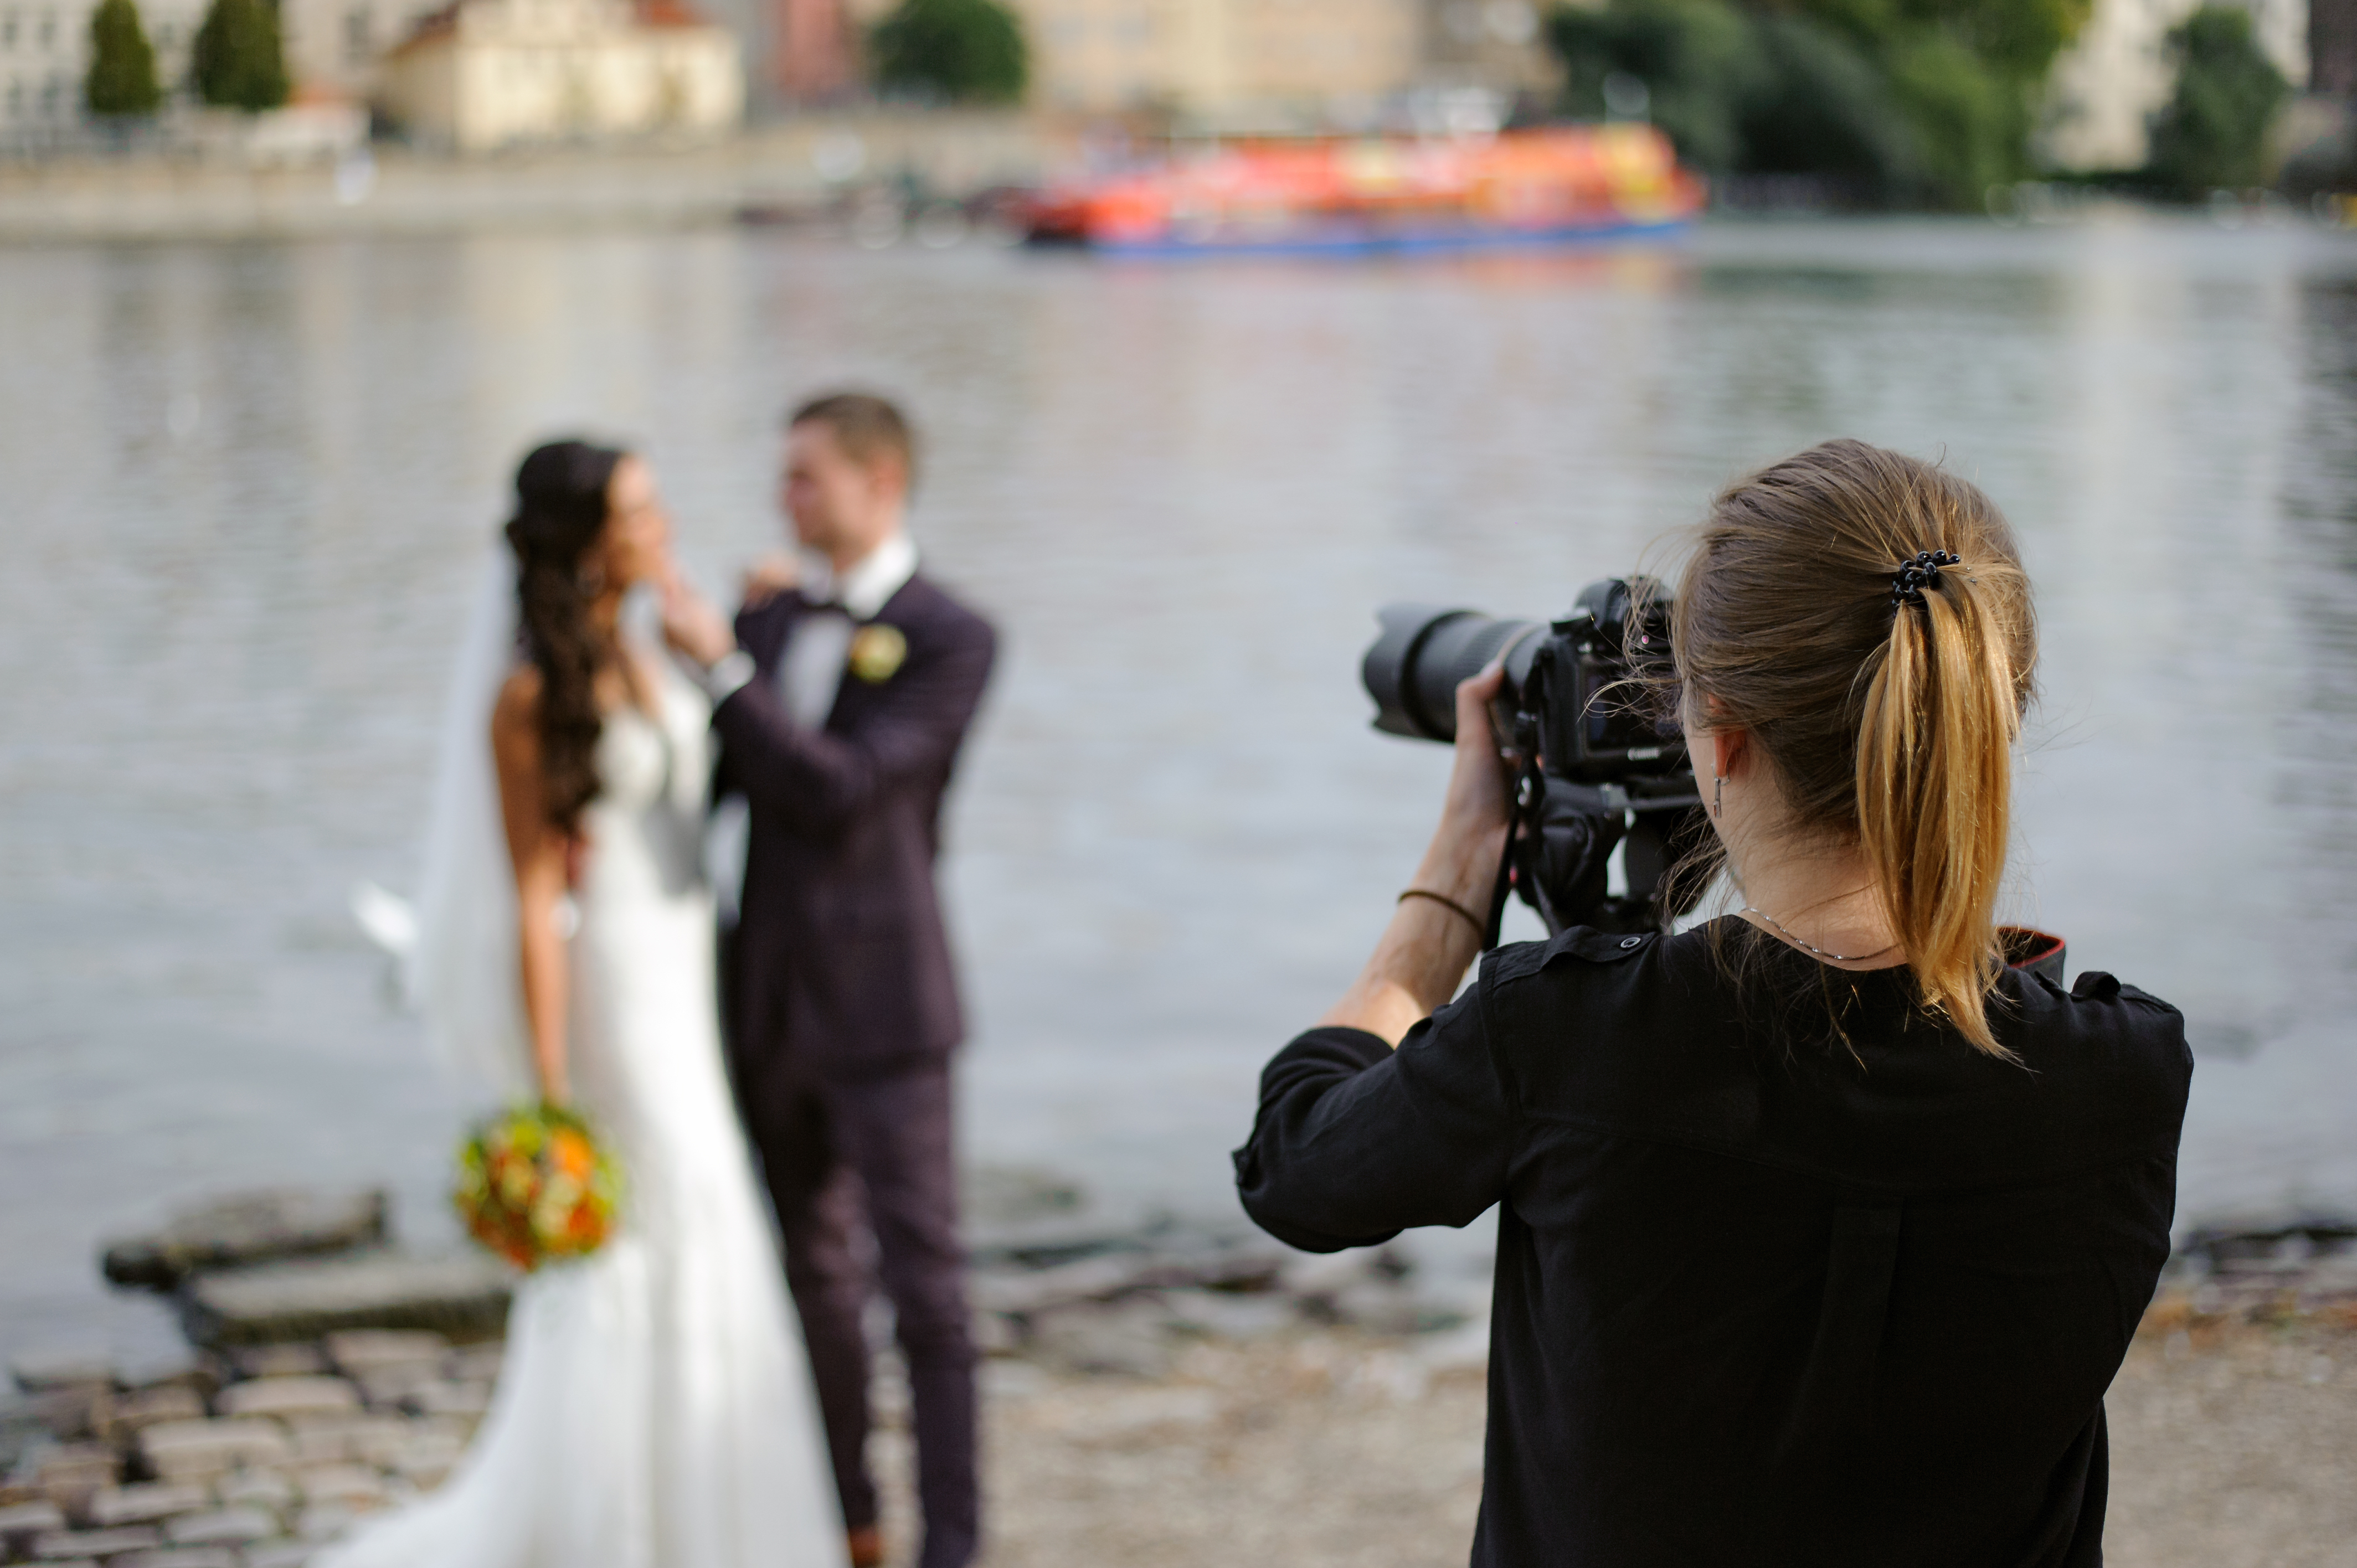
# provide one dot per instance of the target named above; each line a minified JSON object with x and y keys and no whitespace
{"x":877,"y":651}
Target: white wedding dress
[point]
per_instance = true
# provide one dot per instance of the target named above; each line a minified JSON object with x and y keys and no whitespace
{"x":655,"y":1407}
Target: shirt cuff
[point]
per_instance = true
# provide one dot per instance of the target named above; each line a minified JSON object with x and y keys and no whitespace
{"x":729,"y":672}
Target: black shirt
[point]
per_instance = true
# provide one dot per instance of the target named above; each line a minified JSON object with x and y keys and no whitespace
{"x":1762,"y":1296}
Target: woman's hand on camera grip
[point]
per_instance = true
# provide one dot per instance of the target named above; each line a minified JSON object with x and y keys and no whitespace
{"x":1424,"y":951}
{"x":1480,"y":804}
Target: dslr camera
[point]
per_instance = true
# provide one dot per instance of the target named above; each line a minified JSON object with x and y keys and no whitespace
{"x":1597,"y":765}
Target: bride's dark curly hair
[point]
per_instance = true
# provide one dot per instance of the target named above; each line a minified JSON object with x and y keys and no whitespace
{"x":560,"y":512}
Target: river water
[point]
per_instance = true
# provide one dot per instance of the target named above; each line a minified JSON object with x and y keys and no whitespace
{"x":243,"y":489}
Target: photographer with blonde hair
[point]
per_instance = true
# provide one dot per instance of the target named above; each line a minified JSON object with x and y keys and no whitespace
{"x":1822,"y":1231}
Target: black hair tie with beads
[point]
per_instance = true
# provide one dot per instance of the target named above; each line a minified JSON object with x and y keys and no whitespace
{"x":1924,"y":572}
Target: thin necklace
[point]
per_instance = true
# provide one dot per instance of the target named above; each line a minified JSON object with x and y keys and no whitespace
{"x":1796,"y":941}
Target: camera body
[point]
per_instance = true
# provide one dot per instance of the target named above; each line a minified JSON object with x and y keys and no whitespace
{"x":1596,"y":766}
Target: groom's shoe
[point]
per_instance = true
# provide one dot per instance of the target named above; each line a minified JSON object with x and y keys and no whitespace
{"x":867,"y":1548}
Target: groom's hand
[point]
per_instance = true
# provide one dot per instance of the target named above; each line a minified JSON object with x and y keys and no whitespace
{"x":693,"y":625}
{"x":768,"y":576}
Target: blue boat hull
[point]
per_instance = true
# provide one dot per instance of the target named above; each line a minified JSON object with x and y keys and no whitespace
{"x":1368,"y":240}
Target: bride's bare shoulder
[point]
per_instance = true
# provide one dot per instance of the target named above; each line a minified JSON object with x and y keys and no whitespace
{"x":518,"y":708}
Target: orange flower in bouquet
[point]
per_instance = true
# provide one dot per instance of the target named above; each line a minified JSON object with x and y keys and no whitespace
{"x":535,"y":1185}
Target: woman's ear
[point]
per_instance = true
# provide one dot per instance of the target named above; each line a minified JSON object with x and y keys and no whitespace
{"x":1730,"y":750}
{"x":1730,"y":746}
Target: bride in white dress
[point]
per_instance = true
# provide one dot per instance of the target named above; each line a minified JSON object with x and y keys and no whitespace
{"x":655,"y":1409}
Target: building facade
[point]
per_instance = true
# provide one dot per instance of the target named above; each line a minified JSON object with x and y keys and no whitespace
{"x":2332,"y":49}
{"x":44,"y":55}
{"x":491,"y":73}
{"x":332,"y":47}
{"x":1498,"y":45}
{"x":336,"y":51}
{"x":1246,"y":63}
{"x":1224,"y":60}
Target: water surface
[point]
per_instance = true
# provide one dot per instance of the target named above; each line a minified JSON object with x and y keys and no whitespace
{"x":247,"y":485}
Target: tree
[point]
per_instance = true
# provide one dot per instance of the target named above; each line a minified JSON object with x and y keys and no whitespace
{"x":1905,"y":102}
{"x":1699,"y":60}
{"x":1972,"y":124}
{"x":2212,"y":132}
{"x":957,"y":52}
{"x":1740,"y":91}
{"x":1826,"y":107}
{"x":2013,"y":39}
{"x":238,"y":62}
{"x":122,"y":80}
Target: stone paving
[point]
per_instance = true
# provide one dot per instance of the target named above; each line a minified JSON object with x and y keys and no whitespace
{"x":248,"y":1458}
{"x":1162,"y":1398}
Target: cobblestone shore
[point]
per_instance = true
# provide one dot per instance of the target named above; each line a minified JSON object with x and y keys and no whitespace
{"x":2233,"y":1442}
{"x":248,"y":1459}
{"x":1155,"y":1398}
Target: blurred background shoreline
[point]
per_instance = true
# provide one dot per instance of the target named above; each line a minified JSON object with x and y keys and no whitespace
{"x":184,"y":117}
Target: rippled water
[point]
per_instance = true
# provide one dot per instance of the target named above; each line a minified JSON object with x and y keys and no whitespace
{"x":242,"y":489}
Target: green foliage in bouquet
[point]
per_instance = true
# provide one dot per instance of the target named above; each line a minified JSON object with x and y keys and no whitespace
{"x":534,"y":1185}
{"x":122,"y":80}
{"x":955,"y":51}
{"x":238,"y":62}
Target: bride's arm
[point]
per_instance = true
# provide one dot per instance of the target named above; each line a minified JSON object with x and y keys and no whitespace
{"x":537,"y":851}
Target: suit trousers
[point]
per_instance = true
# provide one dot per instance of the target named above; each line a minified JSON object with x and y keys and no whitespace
{"x":848,"y":1161}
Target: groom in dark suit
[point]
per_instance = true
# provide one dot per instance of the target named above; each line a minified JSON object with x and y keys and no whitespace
{"x":841,"y":704}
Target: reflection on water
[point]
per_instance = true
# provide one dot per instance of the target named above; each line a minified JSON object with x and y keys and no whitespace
{"x":246,"y":486}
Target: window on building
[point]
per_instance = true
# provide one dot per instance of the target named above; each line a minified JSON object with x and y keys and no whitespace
{"x":7,"y":29}
{"x":358,"y":49}
{"x":16,"y":101}
{"x":53,"y":97}
{"x":49,"y":29}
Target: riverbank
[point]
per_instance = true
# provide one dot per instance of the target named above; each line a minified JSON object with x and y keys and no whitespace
{"x":2231,"y":1444}
{"x":803,"y":170}
{"x":1157,"y":1397}
{"x":2233,"y":1447}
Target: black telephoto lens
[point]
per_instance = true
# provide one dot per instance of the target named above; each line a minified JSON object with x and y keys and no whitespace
{"x":1424,"y":652}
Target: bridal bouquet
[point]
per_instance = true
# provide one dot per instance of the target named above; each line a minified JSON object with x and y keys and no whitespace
{"x":535,"y":1185}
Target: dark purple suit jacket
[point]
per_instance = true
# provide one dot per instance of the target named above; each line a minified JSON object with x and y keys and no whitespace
{"x":840,"y":962}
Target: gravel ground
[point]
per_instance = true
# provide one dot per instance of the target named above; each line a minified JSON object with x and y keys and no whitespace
{"x":2231,"y":1444}
{"x":2235,"y":1446}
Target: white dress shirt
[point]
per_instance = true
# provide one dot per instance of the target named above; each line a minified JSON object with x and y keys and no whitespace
{"x":809,"y":676}
{"x":811,"y":671}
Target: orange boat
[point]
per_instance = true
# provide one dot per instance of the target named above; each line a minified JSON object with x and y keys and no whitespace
{"x":1518,"y":187}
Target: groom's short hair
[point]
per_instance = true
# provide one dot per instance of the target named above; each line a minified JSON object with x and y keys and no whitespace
{"x":868,"y":428}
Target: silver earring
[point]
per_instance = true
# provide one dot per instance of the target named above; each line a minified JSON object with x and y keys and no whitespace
{"x":1717,"y":794}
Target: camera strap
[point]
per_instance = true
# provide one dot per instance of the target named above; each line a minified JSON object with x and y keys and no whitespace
{"x":1530,"y":795}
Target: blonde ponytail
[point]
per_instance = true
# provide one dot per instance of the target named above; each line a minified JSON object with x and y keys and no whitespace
{"x":1934,"y":792}
{"x":1888,"y":710}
